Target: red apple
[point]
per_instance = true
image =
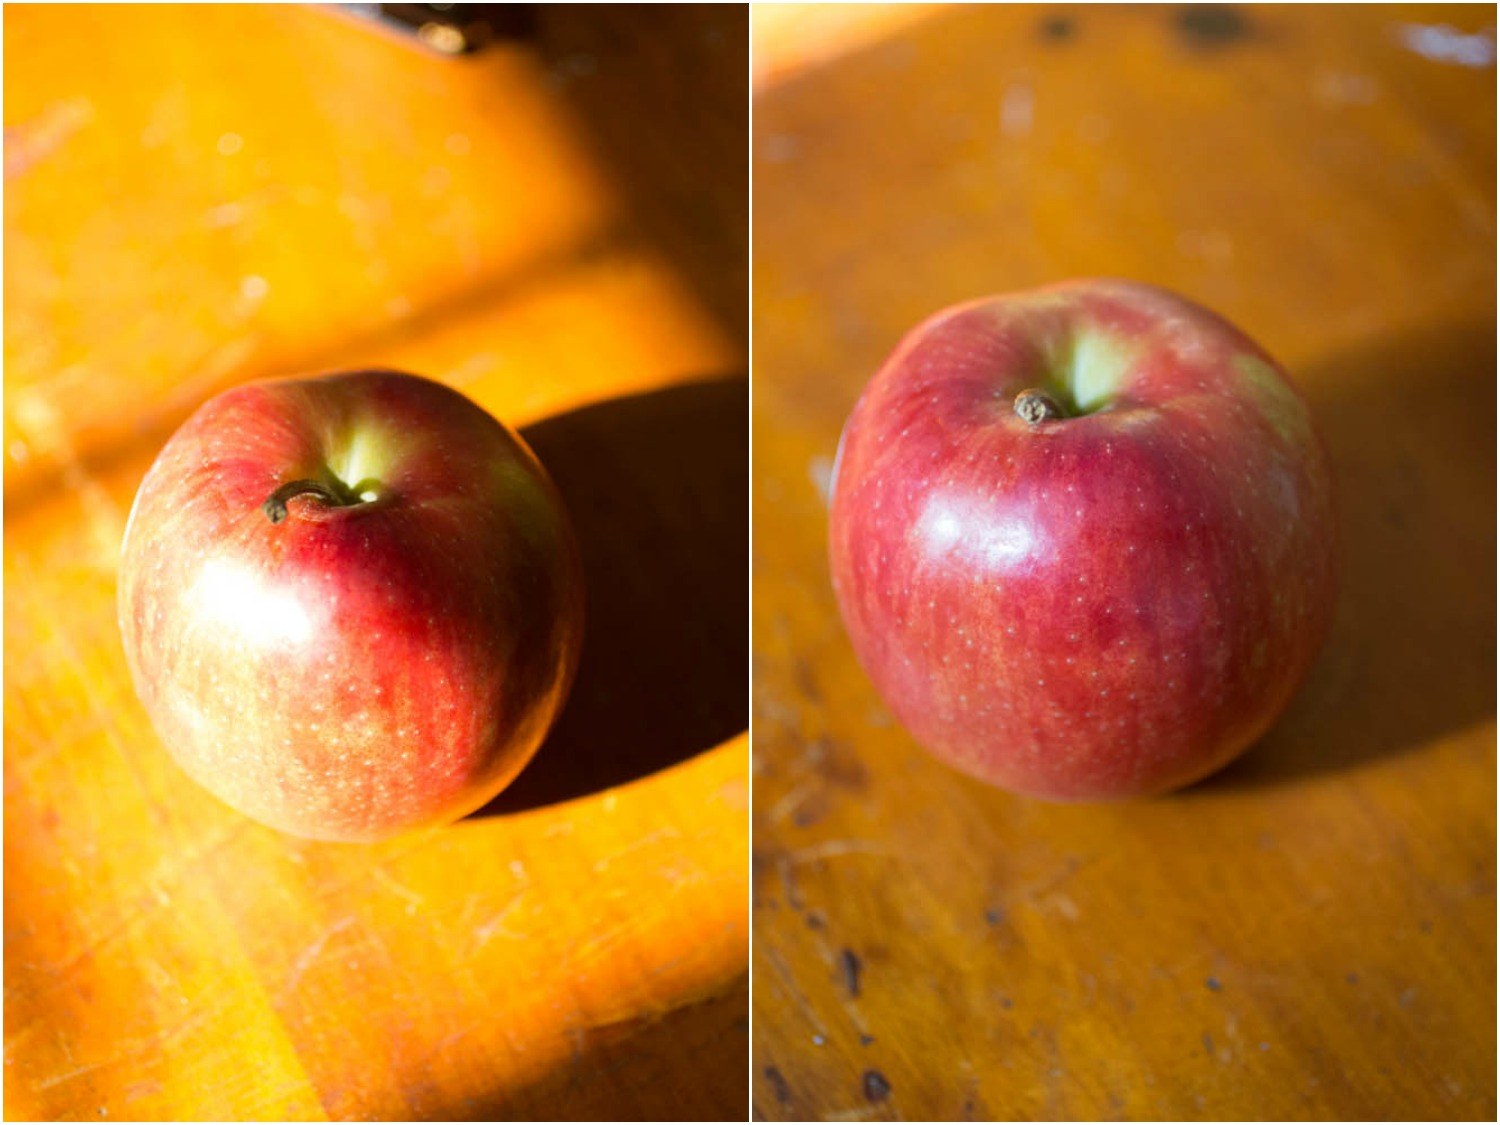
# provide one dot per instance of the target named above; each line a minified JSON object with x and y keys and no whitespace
{"x":352,"y":605}
{"x":1082,"y":539}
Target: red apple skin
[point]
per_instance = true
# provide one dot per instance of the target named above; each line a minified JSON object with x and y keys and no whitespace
{"x":1105,"y":605}
{"x":355,"y":670}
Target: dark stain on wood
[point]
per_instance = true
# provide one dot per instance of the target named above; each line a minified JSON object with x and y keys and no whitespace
{"x":788,"y":876}
{"x":1056,"y":29}
{"x":779,"y":1087}
{"x":836,"y":764}
{"x":805,"y":682}
{"x":810,"y":811}
{"x":850,"y":966}
{"x":1211,"y":25}
{"x":877,"y":1088}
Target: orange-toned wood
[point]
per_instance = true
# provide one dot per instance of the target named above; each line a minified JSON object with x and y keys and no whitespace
{"x":788,"y":39}
{"x":1311,"y":934}
{"x":201,"y":195}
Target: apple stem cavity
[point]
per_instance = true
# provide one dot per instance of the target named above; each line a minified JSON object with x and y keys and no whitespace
{"x":1037,"y":407}
{"x":332,"y":496}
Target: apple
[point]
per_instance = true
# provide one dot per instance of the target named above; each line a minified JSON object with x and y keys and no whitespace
{"x":1082,"y":539}
{"x":351,"y":605}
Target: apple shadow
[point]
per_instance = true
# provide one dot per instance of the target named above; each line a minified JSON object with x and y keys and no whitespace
{"x":687,"y":1064}
{"x":1410,"y":428}
{"x":660,"y":92}
{"x":657,"y":486}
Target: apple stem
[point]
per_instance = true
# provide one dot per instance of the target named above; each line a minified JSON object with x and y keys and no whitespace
{"x":1037,"y":406}
{"x":275,"y":505}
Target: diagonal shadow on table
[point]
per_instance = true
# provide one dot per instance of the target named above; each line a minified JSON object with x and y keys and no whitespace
{"x":685,"y":1065}
{"x":657,"y":485}
{"x":1410,"y":427}
{"x":661,"y":92}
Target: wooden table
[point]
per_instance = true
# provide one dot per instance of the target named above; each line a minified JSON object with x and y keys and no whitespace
{"x":197,"y":196}
{"x":1312,"y":933}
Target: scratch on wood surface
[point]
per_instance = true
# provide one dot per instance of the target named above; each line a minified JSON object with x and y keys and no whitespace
{"x":413,"y":900}
{"x":20,"y":736}
{"x":163,"y":981}
{"x":662,"y":968}
{"x":1042,"y":888}
{"x":30,"y":142}
{"x":1448,"y":170}
{"x":1065,"y":906}
{"x":846,"y":1000}
{"x":442,"y":1046}
{"x":175,"y":866}
{"x":153,"y":1043}
{"x":496,"y":925}
{"x":138,"y":1090}
{"x":466,"y":915}
{"x":14,"y":1038}
{"x":45,"y":428}
{"x":69,"y":1075}
{"x":793,"y":990}
{"x":312,"y":951}
{"x":792,"y":799}
{"x":139,"y":910}
{"x":153,"y":900}
{"x":863,"y":1113}
{"x":833,"y":849}
{"x":385,"y":854}
{"x":643,"y":842}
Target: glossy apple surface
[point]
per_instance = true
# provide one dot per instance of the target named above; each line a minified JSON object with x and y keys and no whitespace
{"x":1082,"y":539}
{"x":352,"y":605}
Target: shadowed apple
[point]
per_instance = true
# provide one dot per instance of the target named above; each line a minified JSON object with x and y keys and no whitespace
{"x":657,"y":486}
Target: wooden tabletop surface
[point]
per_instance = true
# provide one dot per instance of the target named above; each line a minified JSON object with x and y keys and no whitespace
{"x":196,"y":196}
{"x":1312,"y":933}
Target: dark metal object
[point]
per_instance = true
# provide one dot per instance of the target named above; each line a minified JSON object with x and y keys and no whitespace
{"x":453,"y":29}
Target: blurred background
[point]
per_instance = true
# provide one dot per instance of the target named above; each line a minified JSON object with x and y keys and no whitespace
{"x":546,"y":208}
{"x":1310,"y":934}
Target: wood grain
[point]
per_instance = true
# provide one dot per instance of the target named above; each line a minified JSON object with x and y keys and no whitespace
{"x":199,"y":196}
{"x":1312,"y":933}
